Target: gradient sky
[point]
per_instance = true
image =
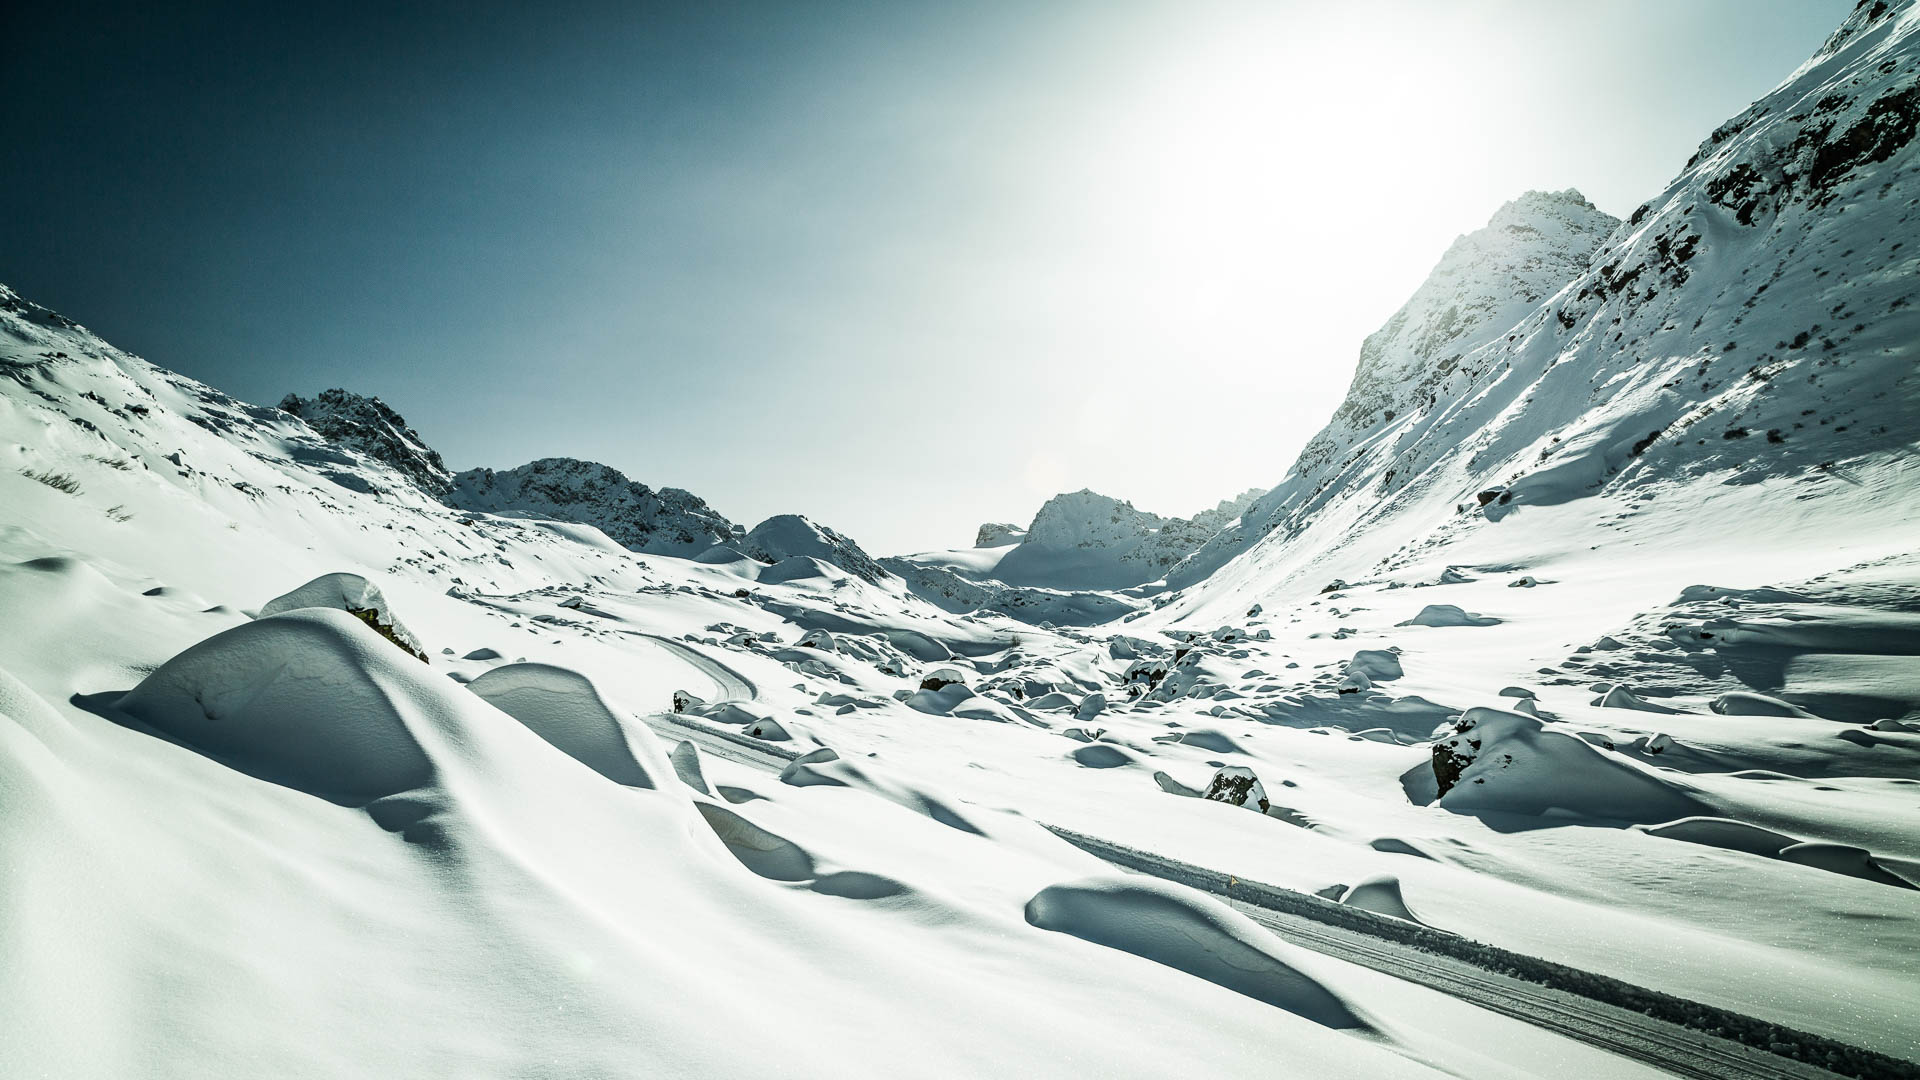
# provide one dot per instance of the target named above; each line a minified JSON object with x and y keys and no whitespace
{"x":900,"y":267}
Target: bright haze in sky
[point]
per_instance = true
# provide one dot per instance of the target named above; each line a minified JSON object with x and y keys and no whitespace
{"x":902,"y":268}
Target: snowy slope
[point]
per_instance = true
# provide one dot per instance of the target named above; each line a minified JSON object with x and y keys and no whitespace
{"x":1666,"y":685}
{"x":287,"y":846}
{"x":1752,"y":324}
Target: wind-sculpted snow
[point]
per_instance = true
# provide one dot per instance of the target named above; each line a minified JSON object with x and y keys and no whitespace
{"x":1168,"y":925}
{"x":565,"y":708}
{"x":1602,"y":579}
{"x":312,"y":699}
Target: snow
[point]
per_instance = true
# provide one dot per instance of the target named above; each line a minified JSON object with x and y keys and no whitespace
{"x":1169,"y":925}
{"x":311,"y":699}
{"x":344,"y":592}
{"x":1684,"y":754}
{"x":565,"y":708}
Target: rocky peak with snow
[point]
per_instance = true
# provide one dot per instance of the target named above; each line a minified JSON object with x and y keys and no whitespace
{"x":1754,"y":322}
{"x":1086,"y":540}
{"x":664,"y":522}
{"x":367,"y":425}
{"x":1487,"y":281}
{"x":995,"y":534}
{"x":1086,"y":518}
{"x":1227,"y":511}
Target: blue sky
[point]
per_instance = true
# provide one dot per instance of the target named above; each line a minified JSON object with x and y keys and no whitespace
{"x":900,"y":267}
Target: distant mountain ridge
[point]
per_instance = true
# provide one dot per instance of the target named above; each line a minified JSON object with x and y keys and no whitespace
{"x":669,"y":521}
{"x":1081,"y":561}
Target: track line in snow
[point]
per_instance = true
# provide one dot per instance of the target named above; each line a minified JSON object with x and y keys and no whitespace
{"x":1679,"y":1050}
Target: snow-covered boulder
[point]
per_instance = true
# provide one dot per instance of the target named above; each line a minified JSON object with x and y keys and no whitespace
{"x":354,"y":595}
{"x":940,"y":678}
{"x":1378,"y":665}
{"x":1448,"y":615}
{"x":1237,"y":785}
{"x":1512,"y":762}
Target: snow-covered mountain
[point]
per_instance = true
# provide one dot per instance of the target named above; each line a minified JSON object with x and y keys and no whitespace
{"x":1754,"y":321}
{"x":1486,"y":282}
{"x":998,"y":534}
{"x":368,"y":426}
{"x":1599,"y":649}
{"x":665,"y":522}
{"x":788,"y":536}
{"x":1079,"y":563}
{"x":669,"y":521}
{"x":1085,"y":540}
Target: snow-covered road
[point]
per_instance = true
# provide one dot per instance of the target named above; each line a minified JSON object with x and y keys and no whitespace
{"x":1670,"y":1047}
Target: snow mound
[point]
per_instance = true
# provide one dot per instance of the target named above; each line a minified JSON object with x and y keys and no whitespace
{"x":1448,"y":615}
{"x":311,"y":699}
{"x":1842,"y":859}
{"x":564,"y":707}
{"x":1753,"y":840}
{"x":354,"y":595}
{"x":825,"y":768}
{"x":1188,"y":932}
{"x":939,"y":702}
{"x":1100,"y":755}
{"x":1381,"y":895}
{"x":1742,"y":703}
{"x":766,"y":727}
{"x":1722,"y":833}
{"x":686,"y":764}
{"x":1619,"y":697}
{"x":1378,"y":665}
{"x":1511,"y":762}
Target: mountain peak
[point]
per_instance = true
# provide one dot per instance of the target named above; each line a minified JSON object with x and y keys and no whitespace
{"x":370,"y":426}
{"x":664,"y":522}
{"x":786,"y":536}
